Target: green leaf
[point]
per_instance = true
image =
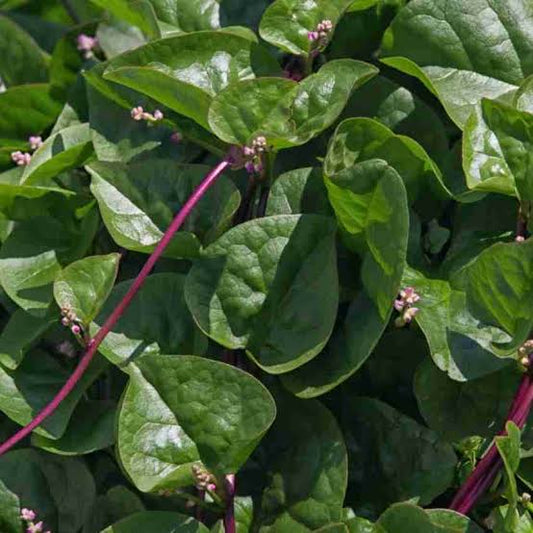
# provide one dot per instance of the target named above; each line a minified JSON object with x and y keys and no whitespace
{"x":32,"y":255}
{"x":458,"y":410}
{"x":402,"y":111}
{"x":157,"y":522}
{"x":459,"y":343}
{"x":407,"y":515}
{"x":286,"y":23}
{"x":26,"y":110}
{"x":22,"y":59}
{"x":167,"y":71}
{"x":60,"y":490}
{"x":270,"y":286}
{"x":361,"y":139}
{"x":297,"y":192}
{"x":432,"y":40}
{"x":18,"y":336}
{"x":68,"y":148}
{"x":83,"y":287}
{"x":178,"y":409}
{"x":497,"y":145}
{"x":370,"y":202}
{"x":116,"y":37}
{"x":286,"y":112}
{"x":378,"y":436}
{"x":28,"y":389}
{"x":91,"y":428}
{"x":117,"y":503}
{"x":244,"y":514}
{"x":157,"y":321}
{"x":306,"y":467}
{"x":138,"y":202}
{"x":9,"y":510}
{"x":499,"y":287}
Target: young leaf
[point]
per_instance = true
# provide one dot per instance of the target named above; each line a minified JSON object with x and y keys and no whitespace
{"x":44,"y":483}
{"x":68,"y":148}
{"x":497,"y":142}
{"x":179,"y":409}
{"x":370,"y":202}
{"x":306,"y":466}
{"x":286,"y":23}
{"x":286,"y":112}
{"x":377,"y":436}
{"x":157,"y":522}
{"x":432,"y":40}
{"x":83,"y":286}
{"x":269,"y":286}
{"x":157,"y":321}
{"x":138,"y":201}
{"x":459,"y":343}
{"x":186,"y":82}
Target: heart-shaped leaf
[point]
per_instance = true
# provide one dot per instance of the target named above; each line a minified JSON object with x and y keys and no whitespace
{"x":179,"y":409}
{"x":157,"y":321}
{"x":286,"y":23}
{"x":370,"y":202}
{"x":432,"y":40}
{"x":249,"y":288}
{"x":306,"y":466}
{"x":286,"y":112}
{"x":9,"y":510}
{"x":378,"y":435}
{"x":138,"y":202}
{"x":83,"y":286}
{"x":186,"y":82}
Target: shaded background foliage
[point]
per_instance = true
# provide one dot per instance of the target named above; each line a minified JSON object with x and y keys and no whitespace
{"x":399,"y":155}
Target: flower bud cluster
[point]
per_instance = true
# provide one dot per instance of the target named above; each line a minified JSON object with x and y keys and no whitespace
{"x":23,"y":159}
{"x":70,"y":320}
{"x":321,"y":35}
{"x":87,"y":44}
{"x":405,"y":305}
{"x":138,"y":113}
{"x":253,"y":155}
{"x":525,"y":352}
{"x":204,"y":479}
{"x":29,"y":516}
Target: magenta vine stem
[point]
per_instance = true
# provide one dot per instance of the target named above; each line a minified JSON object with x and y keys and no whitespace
{"x":487,"y":468}
{"x":229,"y":516}
{"x":94,"y":343}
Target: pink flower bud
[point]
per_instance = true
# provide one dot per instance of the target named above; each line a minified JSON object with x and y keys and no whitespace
{"x":399,"y":305}
{"x":137,"y":113}
{"x":248,"y":152}
{"x":249,"y":167}
{"x":312,"y":36}
{"x":76,"y":329}
{"x":27,"y":514}
{"x":86,"y":43}
{"x":158,"y":115}
{"x":520,"y":238}
{"x":35,"y":142}
{"x":65,"y":321}
{"x":409,"y":314}
{"x":211,"y":487}
{"x":35,"y":528}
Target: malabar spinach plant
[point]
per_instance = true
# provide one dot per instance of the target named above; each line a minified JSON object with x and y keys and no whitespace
{"x":265,"y":266}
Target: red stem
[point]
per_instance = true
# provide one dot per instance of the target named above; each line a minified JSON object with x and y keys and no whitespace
{"x":229,"y":517}
{"x":93,"y":344}
{"x":486,"y":470}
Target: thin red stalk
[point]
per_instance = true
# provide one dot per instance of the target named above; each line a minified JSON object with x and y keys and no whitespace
{"x":486,"y":470}
{"x":92,"y":345}
{"x":229,"y":517}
